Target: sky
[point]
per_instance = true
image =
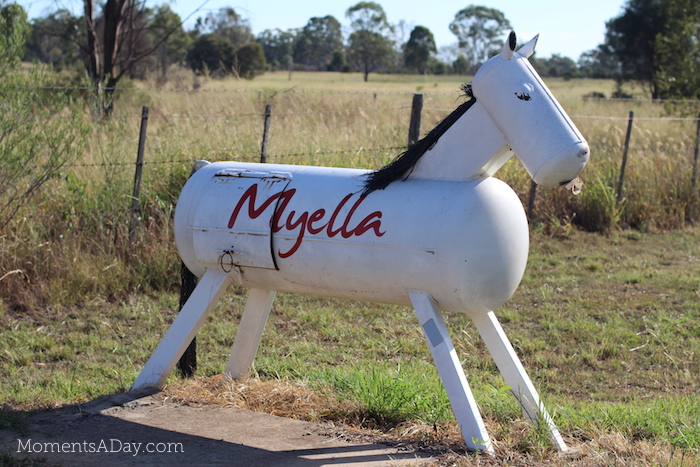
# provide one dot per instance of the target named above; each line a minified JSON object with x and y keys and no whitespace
{"x":566,"y":28}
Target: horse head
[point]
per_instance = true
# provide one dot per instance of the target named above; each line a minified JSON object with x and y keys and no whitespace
{"x":538,"y":130}
{"x":512,"y":112}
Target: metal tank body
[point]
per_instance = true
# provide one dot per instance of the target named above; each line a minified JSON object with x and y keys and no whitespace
{"x":308,"y":230}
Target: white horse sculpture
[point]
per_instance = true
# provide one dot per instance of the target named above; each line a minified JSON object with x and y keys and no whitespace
{"x":432,"y":230}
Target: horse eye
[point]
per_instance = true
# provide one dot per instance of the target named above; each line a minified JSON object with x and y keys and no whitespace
{"x":525,"y":91}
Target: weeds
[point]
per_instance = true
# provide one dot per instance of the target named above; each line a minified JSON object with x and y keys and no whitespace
{"x":387,"y":397}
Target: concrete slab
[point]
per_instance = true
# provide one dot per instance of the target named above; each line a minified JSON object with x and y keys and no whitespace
{"x":126,"y":430}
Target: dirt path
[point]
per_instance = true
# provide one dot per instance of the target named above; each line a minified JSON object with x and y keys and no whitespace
{"x":148,"y":430}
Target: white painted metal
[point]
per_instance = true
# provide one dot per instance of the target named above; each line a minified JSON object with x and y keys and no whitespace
{"x":451,"y":373}
{"x":192,"y":316}
{"x":514,"y":373}
{"x":250,"y":331}
{"x":464,"y":242}
{"x":447,"y":237}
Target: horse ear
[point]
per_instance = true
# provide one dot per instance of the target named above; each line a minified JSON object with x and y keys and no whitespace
{"x":509,"y":46}
{"x":529,"y":48}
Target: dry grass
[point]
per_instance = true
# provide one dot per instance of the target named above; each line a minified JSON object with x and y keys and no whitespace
{"x":443,"y":443}
{"x":516,"y":446}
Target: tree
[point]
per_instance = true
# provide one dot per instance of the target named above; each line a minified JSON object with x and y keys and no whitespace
{"x":174,"y":48}
{"x":461,"y":65}
{"x":677,"y":52}
{"x":101,"y":55}
{"x":211,"y":53}
{"x":278,"y":46}
{"x":368,"y":16}
{"x":317,"y":41}
{"x":228,"y":24}
{"x":53,"y":38}
{"x":249,"y":60}
{"x":479,"y":30}
{"x":556,"y":66}
{"x":368,"y":49}
{"x":14,"y":30}
{"x":419,"y":48}
{"x":399,"y":35}
{"x":656,"y":43}
{"x":115,"y":43}
{"x":34,"y":146}
{"x":339,"y":62}
{"x":599,"y":63}
{"x":631,"y":38}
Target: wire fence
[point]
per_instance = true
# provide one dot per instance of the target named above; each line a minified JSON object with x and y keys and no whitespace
{"x":683,"y":150}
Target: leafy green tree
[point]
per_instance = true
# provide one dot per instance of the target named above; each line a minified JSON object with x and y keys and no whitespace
{"x":599,"y":63}
{"x":461,"y":65}
{"x":368,"y":16}
{"x":479,"y":30}
{"x":631,"y":39}
{"x":14,"y":30}
{"x":556,"y":66}
{"x":419,"y":49}
{"x":53,"y":39}
{"x":211,"y":53}
{"x":34,"y":146}
{"x":677,"y":51}
{"x":368,"y":49}
{"x":250,"y":61}
{"x":656,"y":43}
{"x":228,"y":24}
{"x":436,"y":67}
{"x":339,"y":62}
{"x":317,"y":41}
{"x":174,"y":49}
{"x":278,"y":46}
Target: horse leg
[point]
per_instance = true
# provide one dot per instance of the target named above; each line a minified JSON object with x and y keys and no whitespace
{"x":249,"y":334}
{"x":182,"y":331}
{"x":514,"y":373}
{"x":453,"y":379}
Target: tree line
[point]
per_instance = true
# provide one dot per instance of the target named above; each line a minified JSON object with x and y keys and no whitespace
{"x":653,"y":42}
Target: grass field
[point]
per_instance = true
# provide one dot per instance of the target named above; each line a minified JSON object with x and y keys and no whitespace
{"x":607,"y":327}
{"x":607,"y":323}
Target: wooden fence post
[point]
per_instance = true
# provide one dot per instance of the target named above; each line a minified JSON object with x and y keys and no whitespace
{"x":137,"y":175}
{"x":266,"y":133}
{"x":531,"y":200}
{"x":621,"y":181}
{"x":414,"y":125}
{"x":187,"y":364}
{"x":695,"y":156}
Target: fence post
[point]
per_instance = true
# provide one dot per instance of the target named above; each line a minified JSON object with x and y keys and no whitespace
{"x":266,"y":133}
{"x":620,"y":182}
{"x":187,"y":364}
{"x":137,"y":175}
{"x":531,"y":200}
{"x":414,"y":125}
{"x":695,"y":156}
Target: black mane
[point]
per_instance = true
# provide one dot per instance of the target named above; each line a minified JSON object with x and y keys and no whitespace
{"x":403,"y":164}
